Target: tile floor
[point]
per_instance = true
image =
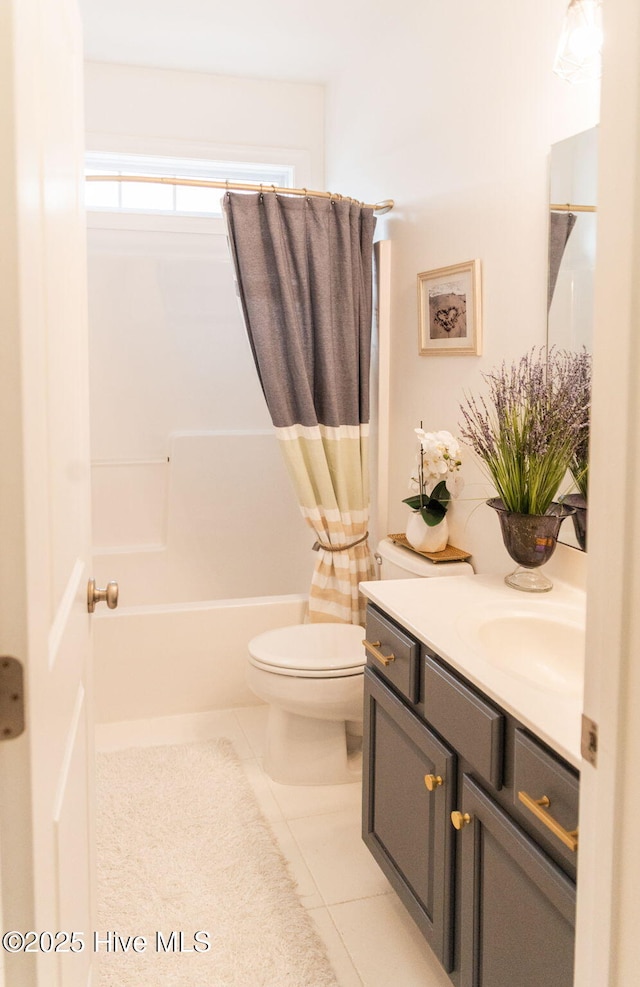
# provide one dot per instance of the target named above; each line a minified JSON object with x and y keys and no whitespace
{"x":371,"y":940}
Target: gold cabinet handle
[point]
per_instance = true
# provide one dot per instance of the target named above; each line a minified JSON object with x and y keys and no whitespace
{"x":460,"y":819}
{"x":433,"y":781}
{"x":373,"y":646}
{"x":539,"y":808}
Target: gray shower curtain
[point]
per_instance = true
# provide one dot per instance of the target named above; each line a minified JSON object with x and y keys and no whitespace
{"x":304,"y":271}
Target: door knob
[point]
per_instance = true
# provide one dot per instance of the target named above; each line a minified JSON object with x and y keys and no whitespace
{"x":460,"y":819}
{"x":108,"y":595}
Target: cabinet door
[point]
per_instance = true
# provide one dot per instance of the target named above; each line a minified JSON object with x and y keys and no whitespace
{"x":405,"y":825}
{"x":517,"y":907}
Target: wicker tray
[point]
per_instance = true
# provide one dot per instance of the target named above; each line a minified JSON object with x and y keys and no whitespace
{"x":449,"y":554}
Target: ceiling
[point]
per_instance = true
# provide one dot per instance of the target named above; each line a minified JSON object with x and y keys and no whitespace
{"x":282,"y":39}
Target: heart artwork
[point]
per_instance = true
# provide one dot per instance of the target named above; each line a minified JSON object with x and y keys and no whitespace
{"x":447,"y":318}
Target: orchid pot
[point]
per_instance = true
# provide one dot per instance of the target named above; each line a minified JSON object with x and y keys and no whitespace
{"x":424,"y":537}
{"x":436,"y":480}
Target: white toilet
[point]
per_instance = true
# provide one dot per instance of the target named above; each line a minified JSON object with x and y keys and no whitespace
{"x":311,"y":675}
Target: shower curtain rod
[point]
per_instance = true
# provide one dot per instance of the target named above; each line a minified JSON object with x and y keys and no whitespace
{"x":568,"y":207}
{"x":380,"y":207}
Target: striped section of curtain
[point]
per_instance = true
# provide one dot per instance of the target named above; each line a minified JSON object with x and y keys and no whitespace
{"x":304,"y":269}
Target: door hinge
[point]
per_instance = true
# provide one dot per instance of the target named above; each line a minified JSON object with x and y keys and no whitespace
{"x":589,"y":741}
{"x":11,"y":698}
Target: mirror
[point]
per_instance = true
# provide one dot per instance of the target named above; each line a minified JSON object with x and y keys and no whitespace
{"x":572,"y":251}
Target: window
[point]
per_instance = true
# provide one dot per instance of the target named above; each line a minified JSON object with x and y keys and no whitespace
{"x":180,"y":199}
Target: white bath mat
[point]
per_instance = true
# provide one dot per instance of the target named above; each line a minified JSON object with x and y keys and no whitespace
{"x":185,"y":859}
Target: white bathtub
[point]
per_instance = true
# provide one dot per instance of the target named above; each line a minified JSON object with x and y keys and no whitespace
{"x":162,"y":660}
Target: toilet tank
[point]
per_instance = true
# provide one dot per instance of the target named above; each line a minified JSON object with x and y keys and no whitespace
{"x":396,"y":562}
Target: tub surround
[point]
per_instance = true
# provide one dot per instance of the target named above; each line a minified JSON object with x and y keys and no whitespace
{"x":441,"y":614}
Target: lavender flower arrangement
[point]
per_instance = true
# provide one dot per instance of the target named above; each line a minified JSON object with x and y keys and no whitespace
{"x":581,"y":374}
{"x":527,"y":431}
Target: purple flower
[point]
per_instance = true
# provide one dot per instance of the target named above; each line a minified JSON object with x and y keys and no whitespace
{"x":529,"y":428}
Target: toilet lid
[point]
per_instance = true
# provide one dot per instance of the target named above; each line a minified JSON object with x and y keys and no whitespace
{"x":314,"y":650}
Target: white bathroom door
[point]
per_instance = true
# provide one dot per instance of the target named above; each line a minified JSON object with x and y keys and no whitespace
{"x":45,"y":772}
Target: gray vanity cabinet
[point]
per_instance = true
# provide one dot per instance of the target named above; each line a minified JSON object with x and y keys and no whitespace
{"x":517,"y":908}
{"x":406,"y":811}
{"x":494,"y":896}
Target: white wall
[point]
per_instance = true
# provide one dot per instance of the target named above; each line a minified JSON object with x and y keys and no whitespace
{"x":143,"y":110}
{"x":455,"y":123}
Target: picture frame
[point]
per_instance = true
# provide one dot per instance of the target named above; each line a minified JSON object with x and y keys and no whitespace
{"x":450,"y":311}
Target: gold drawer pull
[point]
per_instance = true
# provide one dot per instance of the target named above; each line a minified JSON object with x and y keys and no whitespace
{"x":460,"y":819}
{"x":433,"y":781}
{"x":372,"y":648}
{"x":539,"y":807}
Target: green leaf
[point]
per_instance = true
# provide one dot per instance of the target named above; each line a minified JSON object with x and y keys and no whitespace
{"x":433,"y":513}
{"x":441,"y":494}
{"x":415,"y":503}
{"x":434,"y":508}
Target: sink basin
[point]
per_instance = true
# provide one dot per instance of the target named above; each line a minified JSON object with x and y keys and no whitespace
{"x":542,"y":648}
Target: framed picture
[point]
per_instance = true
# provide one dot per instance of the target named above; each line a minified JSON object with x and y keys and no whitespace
{"x":450,"y":311}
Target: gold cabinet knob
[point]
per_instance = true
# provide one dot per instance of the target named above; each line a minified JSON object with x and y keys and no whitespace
{"x":460,"y":819}
{"x":433,"y":781}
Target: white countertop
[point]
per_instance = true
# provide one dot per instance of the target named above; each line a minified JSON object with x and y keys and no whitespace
{"x":440,"y":612}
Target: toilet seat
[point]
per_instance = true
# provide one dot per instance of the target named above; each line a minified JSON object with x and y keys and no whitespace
{"x":310,"y":650}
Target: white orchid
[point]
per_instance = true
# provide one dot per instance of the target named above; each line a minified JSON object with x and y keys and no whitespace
{"x":440,"y":455}
{"x":436,"y":477}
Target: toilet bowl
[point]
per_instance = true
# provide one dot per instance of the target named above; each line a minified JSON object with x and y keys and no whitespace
{"x":312,"y":677}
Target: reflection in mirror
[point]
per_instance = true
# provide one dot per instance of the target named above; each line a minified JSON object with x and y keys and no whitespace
{"x":572,"y":188}
{"x":572,"y":250}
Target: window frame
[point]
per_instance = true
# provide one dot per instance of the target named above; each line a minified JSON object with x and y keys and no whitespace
{"x":125,"y":163}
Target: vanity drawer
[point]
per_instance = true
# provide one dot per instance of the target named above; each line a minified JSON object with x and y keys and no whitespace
{"x":540,"y":776}
{"x":471,"y":725}
{"x":393,"y":654}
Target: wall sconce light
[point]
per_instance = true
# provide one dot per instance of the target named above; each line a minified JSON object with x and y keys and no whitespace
{"x":579,"y":54}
